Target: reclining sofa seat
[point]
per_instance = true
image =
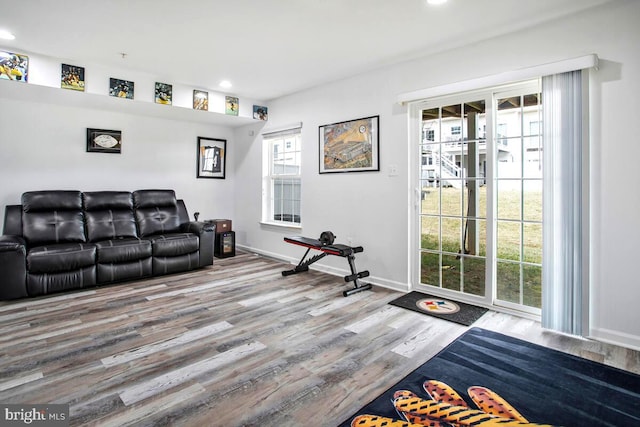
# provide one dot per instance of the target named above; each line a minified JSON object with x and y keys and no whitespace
{"x":158,"y":219}
{"x":58,"y":256}
{"x":60,"y":240}
{"x":120,"y":253}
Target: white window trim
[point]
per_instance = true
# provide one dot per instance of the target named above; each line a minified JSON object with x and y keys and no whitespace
{"x":582,"y":62}
{"x":267,"y":209}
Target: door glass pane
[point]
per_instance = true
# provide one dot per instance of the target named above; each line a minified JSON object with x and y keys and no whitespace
{"x":532,"y":157}
{"x":509,"y":203}
{"x":508,"y":281}
{"x":473,"y":126}
{"x":451,"y":150}
{"x":430,"y":200}
{"x":532,"y":200}
{"x":451,"y":272}
{"x":430,"y":269}
{"x":532,"y":286}
{"x":532,"y":242}
{"x":475,"y":199}
{"x":451,"y":234}
{"x":431,"y":125}
{"x":474,"y":275}
{"x":429,"y":182}
{"x":508,"y":240}
{"x":430,"y":232}
{"x":452,"y":201}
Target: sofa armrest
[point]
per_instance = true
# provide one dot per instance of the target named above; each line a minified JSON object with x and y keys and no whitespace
{"x":199,"y":227}
{"x":13,"y":267}
{"x":206,"y":232}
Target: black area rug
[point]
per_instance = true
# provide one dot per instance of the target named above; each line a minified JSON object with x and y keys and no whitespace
{"x":543,"y":385}
{"x":457,"y":312}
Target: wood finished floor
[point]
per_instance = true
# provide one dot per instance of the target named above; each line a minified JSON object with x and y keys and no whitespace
{"x":235,"y":344}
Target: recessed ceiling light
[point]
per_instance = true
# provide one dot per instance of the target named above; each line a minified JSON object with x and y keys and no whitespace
{"x":6,"y":35}
{"x":434,"y":2}
{"x":225,"y":84}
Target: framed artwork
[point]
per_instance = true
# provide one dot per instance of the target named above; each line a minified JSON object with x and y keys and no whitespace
{"x":72,"y":77}
{"x":14,"y":66}
{"x":231,"y":105}
{"x":212,"y":157}
{"x":104,"y":141}
{"x":351,"y":146}
{"x":200,"y":100}
{"x":260,"y":113}
{"x":164,"y":93}
{"x":121,"y":88}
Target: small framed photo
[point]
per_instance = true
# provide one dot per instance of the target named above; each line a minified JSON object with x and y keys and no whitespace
{"x":212,"y":157}
{"x":231,"y":105}
{"x":200,"y":100}
{"x":121,"y":88}
{"x":14,"y":66}
{"x":72,"y":77}
{"x":104,"y":141}
{"x":260,"y":113}
{"x":351,"y":146}
{"x":164,"y":93}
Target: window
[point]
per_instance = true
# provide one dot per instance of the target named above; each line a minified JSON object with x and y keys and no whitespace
{"x":429,"y":135}
{"x":455,"y":132}
{"x":281,"y":177}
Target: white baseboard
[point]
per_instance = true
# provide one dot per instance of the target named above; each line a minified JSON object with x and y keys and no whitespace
{"x":617,"y":338}
{"x":376,"y":281}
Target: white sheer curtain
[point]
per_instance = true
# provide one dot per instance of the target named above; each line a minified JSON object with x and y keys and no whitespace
{"x":565,"y":205}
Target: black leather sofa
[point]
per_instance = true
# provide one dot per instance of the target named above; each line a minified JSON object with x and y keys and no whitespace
{"x":62,"y":240}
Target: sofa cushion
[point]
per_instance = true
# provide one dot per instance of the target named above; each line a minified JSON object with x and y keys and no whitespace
{"x":52,"y":217}
{"x":168,"y":245}
{"x":116,"y":272}
{"x":156,"y":212}
{"x":47,"y":283}
{"x":122,"y":250}
{"x":61,"y":257}
{"x":109,"y":215}
{"x":48,"y":200}
{"x":174,"y":264}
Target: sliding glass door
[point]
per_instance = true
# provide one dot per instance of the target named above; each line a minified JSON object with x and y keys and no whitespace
{"x":479,"y":220}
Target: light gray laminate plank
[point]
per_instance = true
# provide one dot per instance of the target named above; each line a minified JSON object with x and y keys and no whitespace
{"x":184,"y":338}
{"x":26,"y":378}
{"x":153,"y":386}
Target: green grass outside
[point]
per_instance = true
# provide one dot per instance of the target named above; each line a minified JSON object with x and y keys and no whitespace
{"x":467,"y":272}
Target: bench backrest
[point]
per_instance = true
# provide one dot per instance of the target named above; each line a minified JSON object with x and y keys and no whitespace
{"x":156,"y":212}
{"x":52,"y":217}
{"x":109,"y":215}
{"x":57,"y":216}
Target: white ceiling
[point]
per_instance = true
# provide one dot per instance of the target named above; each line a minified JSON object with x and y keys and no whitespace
{"x":266,"y":48}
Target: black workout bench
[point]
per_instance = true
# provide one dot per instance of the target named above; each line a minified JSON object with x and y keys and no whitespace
{"x":329,"y":249}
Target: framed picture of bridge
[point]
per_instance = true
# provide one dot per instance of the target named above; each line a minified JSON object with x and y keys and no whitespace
{"x":351,"y":146}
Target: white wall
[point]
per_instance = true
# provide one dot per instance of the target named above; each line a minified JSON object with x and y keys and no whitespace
{"x":43,"y":147}
{"x":43,"y":137}
{"x":373,"y":208}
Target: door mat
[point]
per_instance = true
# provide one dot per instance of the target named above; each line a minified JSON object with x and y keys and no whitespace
{"x":458,"y":312}
{"x":483,"y":375}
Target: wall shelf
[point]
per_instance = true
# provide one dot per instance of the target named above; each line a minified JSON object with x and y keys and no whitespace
{"x":29,"y":92}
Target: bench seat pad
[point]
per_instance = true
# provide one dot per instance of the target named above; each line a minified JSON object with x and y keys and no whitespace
{"x":123,"y":250}
{"x":61,"y":257}
{"x":174,"y":244}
